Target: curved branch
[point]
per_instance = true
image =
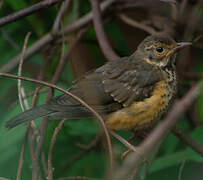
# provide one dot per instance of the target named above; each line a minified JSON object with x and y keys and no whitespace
{"x":133,"y":162}
{"x":49,"y":37}
{"x":135,"y":24}
{"x":27,"y":11}
{"x":73,"y":96}
{"x":100,"y":33}
{"x":188,"y":140}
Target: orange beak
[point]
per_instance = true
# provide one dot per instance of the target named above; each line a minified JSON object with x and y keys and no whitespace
{"x":178,"y":47}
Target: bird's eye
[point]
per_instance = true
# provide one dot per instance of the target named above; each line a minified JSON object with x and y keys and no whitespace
{"x":159,"y":49}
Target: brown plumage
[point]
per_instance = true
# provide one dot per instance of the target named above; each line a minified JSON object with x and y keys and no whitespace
{"x":131,"y":92}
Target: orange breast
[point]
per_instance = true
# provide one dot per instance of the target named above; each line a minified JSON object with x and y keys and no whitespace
{"x":141,"y":114}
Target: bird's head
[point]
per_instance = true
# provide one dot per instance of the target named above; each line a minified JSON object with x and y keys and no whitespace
{"x":160,"y":50}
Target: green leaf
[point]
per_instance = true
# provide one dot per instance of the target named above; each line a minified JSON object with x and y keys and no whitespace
{"x":170,"y":144}
{"x":17,"y":4}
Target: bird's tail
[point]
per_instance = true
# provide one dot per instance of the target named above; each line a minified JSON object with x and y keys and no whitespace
{"x":46,"y":110}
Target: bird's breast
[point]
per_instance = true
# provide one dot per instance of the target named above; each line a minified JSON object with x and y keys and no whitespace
{"x":141,"y":114}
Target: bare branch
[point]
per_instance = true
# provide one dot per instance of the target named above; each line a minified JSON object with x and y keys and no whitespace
{"x":21,"y":94}
{"x":135,"y":24}
{"x":64,"y":7}
{"x":10,"y":39}
{"x":50,"y":168}
{"x":27,"y":11}
{"x":21,"y":159}
{"x":188,"y":140}
{"x":29,"y":52}
{"x":73,"y":96}
{"x":55,"y":78}
{"x":85,"y":19}
{"x":133,"y":162}
{"x":50,"y":37}
{"x":181,"y":169}
{"x":101,"y":36}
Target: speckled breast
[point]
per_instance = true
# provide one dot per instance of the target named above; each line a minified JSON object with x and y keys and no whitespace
{"x":141,"y":114}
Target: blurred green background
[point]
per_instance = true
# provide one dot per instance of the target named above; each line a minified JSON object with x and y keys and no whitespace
{"x":70,"y":158}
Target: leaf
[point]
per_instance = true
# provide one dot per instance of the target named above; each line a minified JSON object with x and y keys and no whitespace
{"x":17,"y":4}
{"x":170,"y":144}
{"x":174,"y":159}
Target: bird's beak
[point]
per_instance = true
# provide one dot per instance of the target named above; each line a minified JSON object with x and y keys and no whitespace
{"x":179,"y":46}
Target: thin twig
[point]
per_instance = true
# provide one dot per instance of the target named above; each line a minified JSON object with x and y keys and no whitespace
{"x":89,"y":147}
{"x":44,"y":164}
{"x":21,"y":95}
{"x":27,"y":11}
{"x":133,"y":162}
{"x":42,"y":136}
{"x":21,"y":159}
{"x":55,"y":78}
{"x":122,"y":140}
{"x":188,"y":140}
{"x":135,"y":24}
{"x":53,"y":140}
{"x":30,"y":51}
{"x":63,"y":8}
{"x":10,"y":39}
{"x":49,"y":37}
{"x":21,"y":91}
{"x":181,"y":169}
{"x":73,"y":96}
{"x":100,"y":33}
{"x":36,"y":169}
{"x":197,"y":38}
{"x":64,"y":59}
{"x":85,"y":19}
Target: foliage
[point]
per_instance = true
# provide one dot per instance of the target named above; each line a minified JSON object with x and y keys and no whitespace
{"x":71,"y":156}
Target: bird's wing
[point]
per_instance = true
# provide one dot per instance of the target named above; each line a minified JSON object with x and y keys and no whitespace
{"x":112,"y":86}
{"x":128,"y":82}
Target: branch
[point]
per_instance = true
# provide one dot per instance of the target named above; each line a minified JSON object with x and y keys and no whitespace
{"x":188,"y":140}
{"x":55,"y":78}
{"x":135,"y":24}
{"x":85,"y":19}
{"x":134,"y":161}
{"x":49,"y":37}
{"x":27,"y":11}
{"x":63,"y":8}
{"x":53,"y":140}
{"x":28,"y":53}
{"x":73,"y":96}
{"x":88,"y":148}
{"x":100,"y":33}
{"x":21,"y":94}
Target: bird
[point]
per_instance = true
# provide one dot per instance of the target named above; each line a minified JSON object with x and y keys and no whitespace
{"x":131,"y":93}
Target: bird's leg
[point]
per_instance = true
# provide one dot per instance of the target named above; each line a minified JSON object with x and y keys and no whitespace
{"x":129,"y":140}
{"x":133,"y":136}
{"x":125,"y":153}
{"x":141,"y":134}
{"x":130,"y":147}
